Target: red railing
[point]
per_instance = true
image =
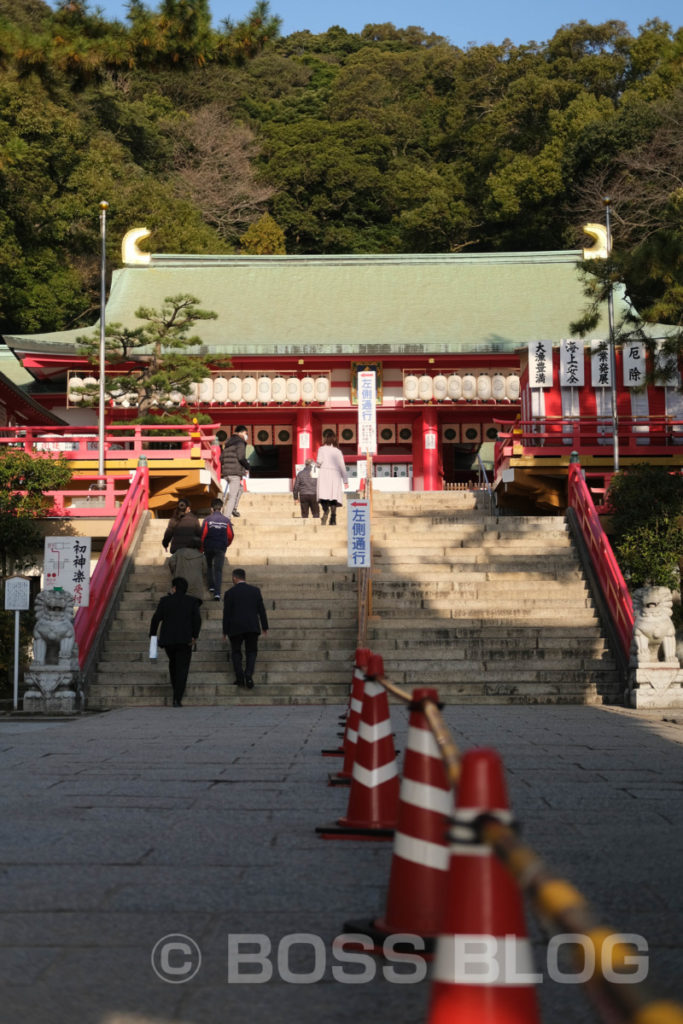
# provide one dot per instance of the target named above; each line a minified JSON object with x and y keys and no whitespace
{"x":110,"y":563}
{"x":602,"y":557}
{"x":121,"y":441}
{"x":556,"y":437}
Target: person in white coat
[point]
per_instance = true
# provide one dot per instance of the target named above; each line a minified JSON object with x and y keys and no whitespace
{"x":332,"y":478}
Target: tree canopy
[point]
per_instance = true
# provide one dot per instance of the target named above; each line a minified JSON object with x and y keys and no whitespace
{"x":387,"y":140}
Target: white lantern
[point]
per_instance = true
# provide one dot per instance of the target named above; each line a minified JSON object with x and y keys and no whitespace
{"x":206,"y":389}
{"x":90,"y":382}
{"x":469,"y":387}
{"x":322,"y":389}
{"x":193,"y":395}
{"x":307,"y":389}
{"x":425,"y":388}
{"x":264,"y":389}
{"x":293,"y":389}
{"x":249,"y":389}
{"x":234,"y":389}
{"x":220,"y":390}
{"x":455,"y":387}
{"x":175,"y":398}
{"x":498,"y":387}
{"x":76,"y":389}
{"x":512,"y":387}
{"x":279,"y":389}
{"x":410,"y":387}
{"x":484,"y":387}
{"x":440,"y":387}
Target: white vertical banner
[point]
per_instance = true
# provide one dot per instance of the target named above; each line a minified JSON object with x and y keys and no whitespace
{"x":66,"y":566}
{"x":540,"y":364}
{"x":358,"y":532}
{"x":633,"y":357}
{"x":601,"y":365}
{"x":367,"y":412}
{"x":571,"y":363}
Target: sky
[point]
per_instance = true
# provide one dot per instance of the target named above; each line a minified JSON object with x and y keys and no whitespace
{"x":477,"y":21}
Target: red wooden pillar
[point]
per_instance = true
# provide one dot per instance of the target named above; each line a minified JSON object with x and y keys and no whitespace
{"x":426,"y":476}
{"x":303,"y":446}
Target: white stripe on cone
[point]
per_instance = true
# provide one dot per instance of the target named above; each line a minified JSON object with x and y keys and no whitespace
{"x":375,"y":776}
{"x":421,"y":851}
{"x":484,"y":960}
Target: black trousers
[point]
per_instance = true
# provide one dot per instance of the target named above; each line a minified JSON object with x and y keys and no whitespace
{"x":306,"y":502}
{"x":179,"y":657}
{"x":250,"y":641}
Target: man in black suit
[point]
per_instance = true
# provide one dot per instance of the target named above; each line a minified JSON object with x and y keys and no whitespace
{"x":244,"y":616}
{"x":181,"y":622}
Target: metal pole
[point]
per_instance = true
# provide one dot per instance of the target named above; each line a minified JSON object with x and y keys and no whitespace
{"x":104,"y":206}
{"x":15,"y":703}
{"x":612,"y":346}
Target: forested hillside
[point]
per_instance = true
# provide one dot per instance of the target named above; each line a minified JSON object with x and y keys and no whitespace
{"x":391,"y":140}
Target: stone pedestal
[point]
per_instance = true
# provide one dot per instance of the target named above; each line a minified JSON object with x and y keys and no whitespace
{"x":51,"y":689}
{"x":655,"y":685}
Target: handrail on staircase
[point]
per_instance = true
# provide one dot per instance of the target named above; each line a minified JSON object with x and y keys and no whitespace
{"x":604,"y":563}
{"x":111,"y":561}
{"x":483,"y":476}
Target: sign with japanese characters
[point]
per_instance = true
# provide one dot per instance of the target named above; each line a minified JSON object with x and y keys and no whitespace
{"x":358,"y":526}
{"x":633,"y":358}
{"x":571,"y":363}
{"x":17,"y":594}
{"x":601,"y":365}
{"x":367,"y":412}
{"x":67,"y":567}
{"x":540,"y":364}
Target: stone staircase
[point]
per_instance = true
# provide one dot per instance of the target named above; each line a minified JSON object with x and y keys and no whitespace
{"x":488,"y":609}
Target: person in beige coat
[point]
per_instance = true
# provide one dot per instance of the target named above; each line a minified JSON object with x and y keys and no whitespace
{"x":332,"y":478}
{"x":189,"y":563}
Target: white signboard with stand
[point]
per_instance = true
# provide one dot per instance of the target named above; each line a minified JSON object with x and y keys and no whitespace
{"x":17,"y":599}
{"x":367,"y":412}
{"x":358,"y":528}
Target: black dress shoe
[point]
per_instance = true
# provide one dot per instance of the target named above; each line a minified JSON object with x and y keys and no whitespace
{"x":236,"y":515}
{"x":249,"y":683}
{"x":239,"y":682}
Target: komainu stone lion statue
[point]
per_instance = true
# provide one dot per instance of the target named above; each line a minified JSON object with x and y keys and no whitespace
{"x":54,"y":639}
{"x":654,"y":635}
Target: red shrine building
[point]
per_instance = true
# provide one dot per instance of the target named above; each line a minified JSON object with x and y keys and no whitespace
{"x":475,"y":366}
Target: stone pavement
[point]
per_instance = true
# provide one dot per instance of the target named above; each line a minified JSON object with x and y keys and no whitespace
{"x":119,"y":829}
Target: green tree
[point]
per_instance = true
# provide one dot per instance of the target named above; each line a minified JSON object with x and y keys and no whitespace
{"x":24,"y":479}
{"x":166,"y":371}
{"x":264,"y":238}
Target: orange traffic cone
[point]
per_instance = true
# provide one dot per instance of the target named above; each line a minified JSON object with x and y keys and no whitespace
{"x":419,"y":868}
{"x":343,"y":778}
{"x":482,"y":971}
{"x":373,"y":800}
{"x":360,"y":662}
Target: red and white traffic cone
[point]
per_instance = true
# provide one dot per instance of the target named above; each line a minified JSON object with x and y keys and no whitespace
{"x":482,"y":971}
{"x":360,"y":664}
{"x":343,"y":778}
{"x":419,"y":868}
{"x":373,"y":800}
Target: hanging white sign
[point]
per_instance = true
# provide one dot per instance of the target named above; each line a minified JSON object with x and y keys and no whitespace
{"x":571,"y":363}
{"x":601,"y":365}
{"x":540,"y":364}
{"x":358,"y":532}
{"x":367,"y":412}
{"x":633,"y":359}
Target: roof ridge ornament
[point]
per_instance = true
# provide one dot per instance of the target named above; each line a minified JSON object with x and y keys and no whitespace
{"x":597,"y":251}
{"x":131,"y":255}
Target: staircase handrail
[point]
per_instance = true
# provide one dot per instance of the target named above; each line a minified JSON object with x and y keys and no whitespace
{"x":111,"y":562}
{"x":483,"y":475}
{"x":606,"y":568}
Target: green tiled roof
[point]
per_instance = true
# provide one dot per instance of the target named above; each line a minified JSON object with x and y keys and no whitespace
{"x":294,"y":305}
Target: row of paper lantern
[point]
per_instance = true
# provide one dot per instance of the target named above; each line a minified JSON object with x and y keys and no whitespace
{"x":485,"y":387}
{"x":224,"y":390}
{"x":260,"y":389}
